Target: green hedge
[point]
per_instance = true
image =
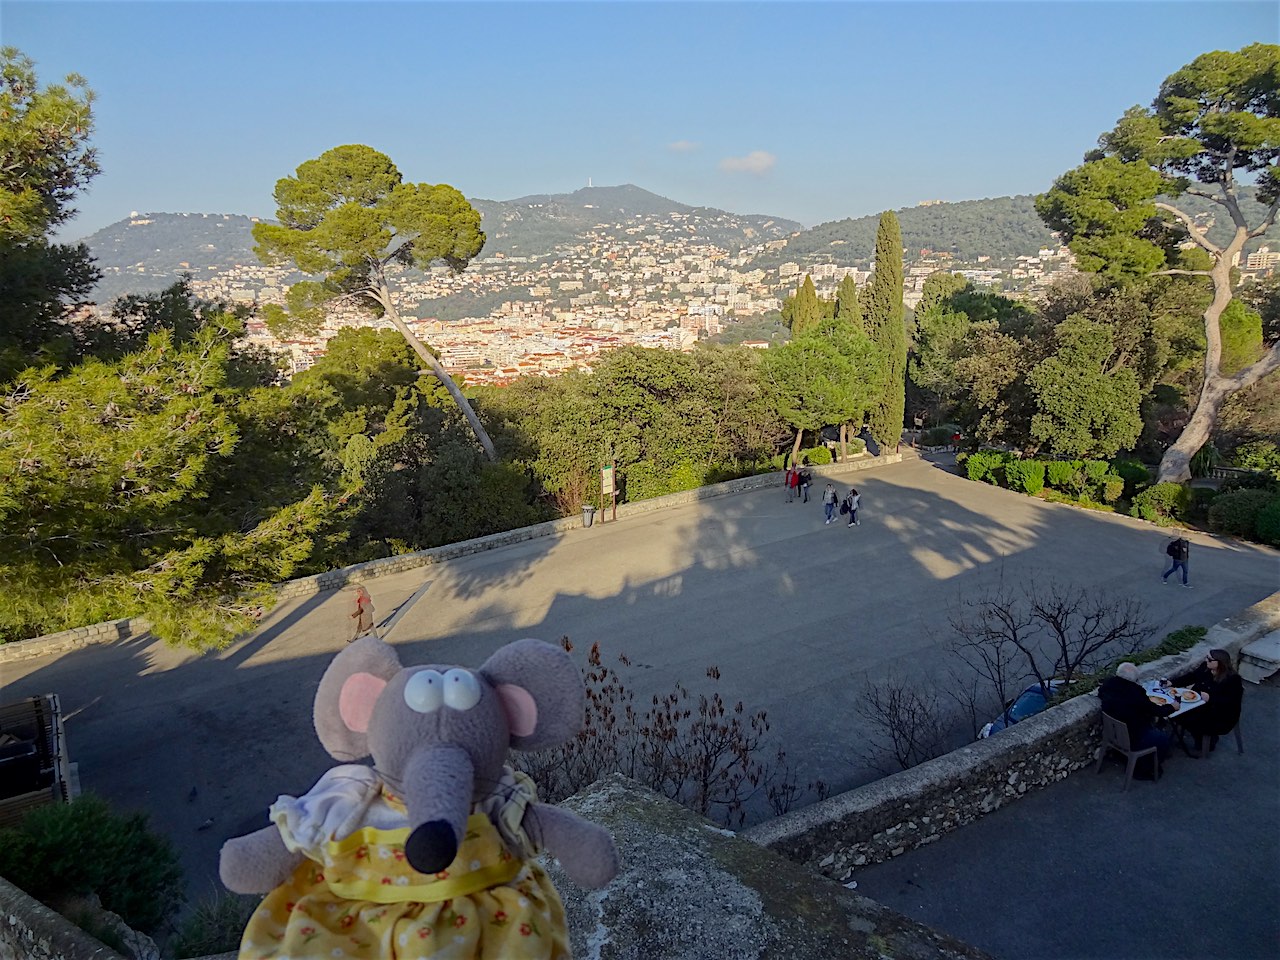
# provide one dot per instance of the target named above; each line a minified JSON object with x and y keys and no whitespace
{"x":1060,"y":474}
{"x":1237,"y":513}
{"x":84,"y":847}
{"x":1161,"y":503}
{"x":1268,"y":526}
{"x":1136,"y":475}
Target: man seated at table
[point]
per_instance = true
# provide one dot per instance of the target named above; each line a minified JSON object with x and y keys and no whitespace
{"x":1124,"y":699}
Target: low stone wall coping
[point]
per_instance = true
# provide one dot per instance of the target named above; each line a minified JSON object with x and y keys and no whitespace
{"x":31,"y":931}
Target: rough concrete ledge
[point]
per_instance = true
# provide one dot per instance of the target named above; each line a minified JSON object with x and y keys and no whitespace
{"x":385,"y":566}
{"x":907,"y":810}
{"x":689,"y":890}
{"x":31,"y":931}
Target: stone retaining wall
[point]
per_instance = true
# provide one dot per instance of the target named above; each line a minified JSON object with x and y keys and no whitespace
{"x":385,"y":566}
{"x":73,"y":639}
{"x":886,"y":818}
{"x":31,"y":931}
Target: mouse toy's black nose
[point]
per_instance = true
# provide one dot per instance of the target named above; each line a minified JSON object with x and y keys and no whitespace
{"x":431,"y":847}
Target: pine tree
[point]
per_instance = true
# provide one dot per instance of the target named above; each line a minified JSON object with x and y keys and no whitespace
{"x":885,"y":324}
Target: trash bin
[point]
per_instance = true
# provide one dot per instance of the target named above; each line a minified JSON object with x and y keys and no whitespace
{"x":588,"y":515}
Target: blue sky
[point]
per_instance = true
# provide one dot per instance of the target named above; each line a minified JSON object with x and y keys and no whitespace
{"x":810,"y":111}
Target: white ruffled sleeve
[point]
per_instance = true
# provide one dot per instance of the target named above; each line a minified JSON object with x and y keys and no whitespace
{"x":332,"y":809}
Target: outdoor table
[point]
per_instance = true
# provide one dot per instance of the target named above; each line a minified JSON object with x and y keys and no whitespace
{"x":1173,"y":695}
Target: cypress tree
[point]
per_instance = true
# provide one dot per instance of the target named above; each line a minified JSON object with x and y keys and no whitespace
{"x":848,"y":308}
{"x":884,"y":318}
{"x":805,"y":310}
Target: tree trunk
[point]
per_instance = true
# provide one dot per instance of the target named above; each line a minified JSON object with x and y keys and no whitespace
{"x":795,"y":448}
{"x":1175,"y":465}
{"x":844,"y":442}
{"x":430,"y":360}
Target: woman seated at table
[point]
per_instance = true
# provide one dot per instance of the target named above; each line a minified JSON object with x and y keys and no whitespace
{"x":1217,"y":681}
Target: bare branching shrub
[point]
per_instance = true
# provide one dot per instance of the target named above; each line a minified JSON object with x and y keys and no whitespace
{"x":908,"y":724}
{"x":701,"y":753}
{"x":1046,"y":630}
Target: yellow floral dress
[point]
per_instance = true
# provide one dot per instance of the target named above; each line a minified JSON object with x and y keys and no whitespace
{"x":356,"y":896}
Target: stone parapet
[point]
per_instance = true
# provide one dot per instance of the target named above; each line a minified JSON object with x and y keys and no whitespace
{"x":888,"y":817}
{"x":31,"y":931}
{"x":73,"y":639}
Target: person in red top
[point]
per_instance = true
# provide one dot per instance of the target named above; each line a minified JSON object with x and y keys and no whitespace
{"x":363,"y":614}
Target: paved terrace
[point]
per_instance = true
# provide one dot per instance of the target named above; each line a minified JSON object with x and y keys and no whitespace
{"x":797,"y":616}
{"x":1185,"y":868}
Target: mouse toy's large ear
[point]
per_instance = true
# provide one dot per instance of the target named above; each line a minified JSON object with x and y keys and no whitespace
{"x":346,"y":695}
{"x":542,"y":692}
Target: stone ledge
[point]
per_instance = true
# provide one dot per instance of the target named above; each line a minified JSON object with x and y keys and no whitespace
{"x":689,"y":890}
{"x":31,"y":931}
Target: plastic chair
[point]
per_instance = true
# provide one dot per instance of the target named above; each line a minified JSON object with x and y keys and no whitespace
{"x":1115,"y":736}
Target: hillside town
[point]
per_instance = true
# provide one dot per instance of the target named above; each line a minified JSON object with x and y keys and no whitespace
{"x":647,"y":280}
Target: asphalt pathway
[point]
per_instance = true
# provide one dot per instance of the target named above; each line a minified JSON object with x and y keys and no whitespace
{"x":797,"y":616}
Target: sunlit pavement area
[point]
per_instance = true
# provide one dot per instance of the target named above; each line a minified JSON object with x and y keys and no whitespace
{"x":797,"y":615}
{"x":1186,"y":867}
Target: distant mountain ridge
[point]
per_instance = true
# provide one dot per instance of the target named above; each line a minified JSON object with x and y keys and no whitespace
{"x":147,"y":252}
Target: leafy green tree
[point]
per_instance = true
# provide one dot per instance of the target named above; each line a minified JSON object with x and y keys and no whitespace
{"x":109,"y":506}
{"x":888,"y":331}
{"x":939,"y":288}
{"x":349,"y":217}
{"x":814,"y":382}
{"x":1218,"y":115}
{"x":44,"y":143}
{"x":44,"y":139}
{"x":806,"y":309}
{"x":1085,"y":405}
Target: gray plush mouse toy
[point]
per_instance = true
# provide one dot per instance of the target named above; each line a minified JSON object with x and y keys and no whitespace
{"x":429,"y":852}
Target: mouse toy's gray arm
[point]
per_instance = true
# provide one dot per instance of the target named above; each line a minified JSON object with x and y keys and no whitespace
{"x":584,"y":849}
{"x":257,"y":862}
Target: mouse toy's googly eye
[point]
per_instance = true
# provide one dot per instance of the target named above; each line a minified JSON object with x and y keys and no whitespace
{"x":461,"y":689}
{"x":424,"y":692}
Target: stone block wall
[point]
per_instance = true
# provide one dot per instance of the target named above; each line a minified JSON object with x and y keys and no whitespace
{"x":73,"y":639}
{"x":31,"y":931}
{"x":918,"y":806}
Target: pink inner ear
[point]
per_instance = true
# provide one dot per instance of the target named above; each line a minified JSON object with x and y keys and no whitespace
{"x":521,"y":708}
{"x":355,"y":703}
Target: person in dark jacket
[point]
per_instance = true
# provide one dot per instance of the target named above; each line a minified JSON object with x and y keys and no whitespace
{"x":1217,"y":681}
{"x":1124,"y":698}
{"x":1179,"y":552}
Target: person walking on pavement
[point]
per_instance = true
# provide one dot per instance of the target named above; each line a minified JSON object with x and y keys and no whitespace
{"x":806,"y":478}
{"x":362,"y":615}
{"x":1179,"y":551}
{"x":789,"y":484}
{"x":853,"y":500}
{"x":829,"y":498}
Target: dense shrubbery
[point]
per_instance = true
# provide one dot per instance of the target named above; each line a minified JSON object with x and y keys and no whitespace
{"x":1136,"y":476}
{"x":1161,"y":503}
{"x":1260,"y":455}
{"x":64,"y":851}
{"x":1237,"y":513}
{"x":1084,"y":481}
